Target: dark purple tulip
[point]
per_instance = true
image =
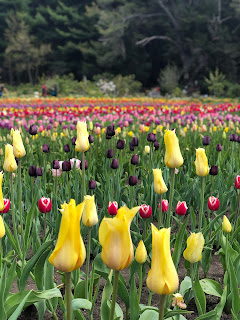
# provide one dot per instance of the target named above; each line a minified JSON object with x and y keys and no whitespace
{"x":110,"y":130}
{"x":92,"y":184}
{"x":45,"y":148}
{"x":213,"y":171}
{"x":218,"y":147}
{"x":66,"y":148}
{"x":33,"y":129}
{"x":55,"y":164}
{"x":131,"y":146}
{"x":39,"y":172}
{"x":74,"y":141}
{"x":49,"y":127}
{"x":114,"y":164}
{"x":109,"y":153}
{"x":134,"y":159}
{"x":156,"y":145}
{"x":66,"y":166}
{"x":86,"y":164}
{"x":206,"y":140}
{"x":90,"y":138}
{"x":235,"y":137}
{"x":135,"y":141}
{"x":65,"y":127}
{"x":108,"y":137}
{"x":72,"y":126}
{"x":120,"y":144}
{"x":151,"y":137}
{"x":132,"y":180}
{"x":239,"y":139}
{"x":32,"y":171}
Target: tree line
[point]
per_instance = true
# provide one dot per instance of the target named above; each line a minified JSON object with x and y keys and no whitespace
{"x":139,"y":37}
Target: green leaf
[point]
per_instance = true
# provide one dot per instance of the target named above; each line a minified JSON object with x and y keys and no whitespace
{"x":172,"y":313}
{"x":234,"y":288}
{"x":123,"y":293}
{"x":12,"y":240}
{"x":134,"y":307}
{"x":39,"y":269}
{"x":178,"y":244}
{"x":81,"y":304}
{"x":100,"y":267}
{"x":30,"y":264}
{"x":220,"y":306}
{"x":207,"y":316}
{"x":211,"y":287}
{"x":200,"y":298}
{"x":235,"y":317}
{"x":41,"y":308}
{"x":19,"y":309}
{"x":3,"y":315}
{"x":107,"y":291}
{"x":149,"y":315}
{"x":11,"y":276}
{"x":186,"y":284}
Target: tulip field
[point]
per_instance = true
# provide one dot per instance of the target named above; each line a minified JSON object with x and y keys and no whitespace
{"x":121,"y":208}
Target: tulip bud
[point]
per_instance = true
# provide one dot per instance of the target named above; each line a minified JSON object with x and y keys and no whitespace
{"x":82,"y":143}
{"x":39,"y":172}
{"x":195,"y":243}
{"x":224,"y":135}
{"x":134,"y":141}
{"x":206,"y":140}
{"x":156,"y":145}
{"x":131,"y":146}
{"x":92,"y":184}
{"x":55,"y":164}
{"x":147,"y":149}
{"x":219,"y":147}
{"x":45,"y":148}
{"x":75,"y":162}
{"x":90,"y":126}
{"x":145,"y":211}
{"x":213,"y":203}
{"x":74,"y":141}
{"x":112,"y":208}
{"x":90,"y":139}
{"x":173,"y":157}
{"x":120,"y":144}
{"x":66,"y":166}
{"x":44,"y":205}
{"x":132,"y":180}
{"x":32,"y":171}
{"x":66,"y":148}
{"x":9,"y":164}
{"x":213,"y":171}
{"x":114,"y":164}
{"x":164,"y":205}
{"x":201,"y":163}
{"x":86,"y":164}
{"x":134,"y":159}
{"x":237,"y":182}
{"x":2,"y":227}
{"x":89,"y":217}
{"x":56,"y":172}
{"x":141,"y":253}
{"x":6,"y":206}
{"x":33,"y":129}
{"x":159,"y":184}
{"x":151,"y":137}
{"x":109,"y":153}
{"x":1,"y":152}
{"x":181,"y":208}
{"x":110,"y":131}
{"x":226,"y":225}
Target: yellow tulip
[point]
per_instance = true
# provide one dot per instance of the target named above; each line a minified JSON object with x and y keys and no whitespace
{"x":69,"y":253}
{"x":1,"y":195}
{"x":115,"y":238}
{"x":162,"y":277}
{"x":89,"y":216}
{"x":90,"y":125}
{"x":195,"y":243}
{"x":201,"y":163}
{"x":10,"y":163}
{"x":141,"y":253}
{"x":2,"y":227}
{"x":82,"y":143}
{"x":159,"y":184}
{"x":147,"y":149}
{"x":226,"y":225}
{"x":173,"y":156}
{"x":18,"y":147}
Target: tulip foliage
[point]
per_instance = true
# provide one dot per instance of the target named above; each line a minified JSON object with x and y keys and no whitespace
{"x":119,"y":209}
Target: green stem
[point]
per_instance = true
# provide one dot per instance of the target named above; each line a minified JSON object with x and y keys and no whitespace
{"x":161,"y":307}
{"x":88,"y":261}
{"x":236,"y":217}
{"x":45,"y":173}
{"x":226,"y":255}
{"x":45,"y":224}
{"x":144,"y":229}
{"x":13,"y":214}
{"x":202,"y":204}
{"x":160,"y":211}
{"x":83,"y":176}
{"x":68,"y":295}
{"x":150,"y":297}
{"x":171,"y":197}
{"x":20,"y":202}
{"x":114,"y":295}
{"x":127,"y":313}
{"x":140,"y":284}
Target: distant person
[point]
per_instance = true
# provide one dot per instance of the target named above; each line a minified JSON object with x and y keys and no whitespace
{"x":54,"y":91}
{"x":2,"y":89}
{"x":44,"y":90}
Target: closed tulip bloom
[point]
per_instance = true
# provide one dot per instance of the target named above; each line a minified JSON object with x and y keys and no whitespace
{"x":112,"y":208}
{"x":18,"y":147}
{"x":6,"y":206}
{"x":44,"y":205}
{"x":181,"y":208}
{"x":32,"y":171}
{"x":39,"y":172}
{"x":10,"y":163}
{"x":173,"y":156}
{"x":213,"y":203}
{"x":69,"y":253}
{"x":201,"y":163}
{"x":90,"y":139}
{"x":82,"y":143}
{"x":213,"y":171}
{"x":115,"y":238}
{"x":141,"y":253}
{"x":2,"y":206}
{"x":237,"y":182}
{"x":145,"y":211}
{"x":114,"y":164}
{"x":147,"y":149}
{"x":132,"y":180}
{"x":89,"y":216}
{"x":66,"y":165}
{"x":92,"y":184}
{"x":2,"y":227}
{"x":195,"y":243}
{"x":134,"y":159}
{"x":45,"y":148}
{"x":164,"y":205}
{"x":226,"y":225}
{"x":66,"y":148}
{"x":162,"y":277}
{"x":86,"y":164}
{"x":159,"y":184}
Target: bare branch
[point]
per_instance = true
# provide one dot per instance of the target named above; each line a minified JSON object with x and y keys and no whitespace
{"x":170,"y":15}
{"x":141,"y":15}
{"x":146,"y":40}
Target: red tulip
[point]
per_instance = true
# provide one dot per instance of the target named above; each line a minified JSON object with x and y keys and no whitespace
{"x":44,"y":205}
{"x":145,"y":211}
{"x":6,"y":206}
{"x":112,"y":208}
{"x":213,"y":203}
{"x":237,"y":182}
{"x":181,"y":208}
{"x":164,"y":205}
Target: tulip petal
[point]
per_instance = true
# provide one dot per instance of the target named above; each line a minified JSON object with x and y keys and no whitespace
{"x":1,"y":195}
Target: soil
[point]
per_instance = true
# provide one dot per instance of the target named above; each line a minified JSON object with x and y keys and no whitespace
{"x":215,"y":273}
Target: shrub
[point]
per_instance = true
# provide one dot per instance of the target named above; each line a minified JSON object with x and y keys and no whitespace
{"x":168,"y":79}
